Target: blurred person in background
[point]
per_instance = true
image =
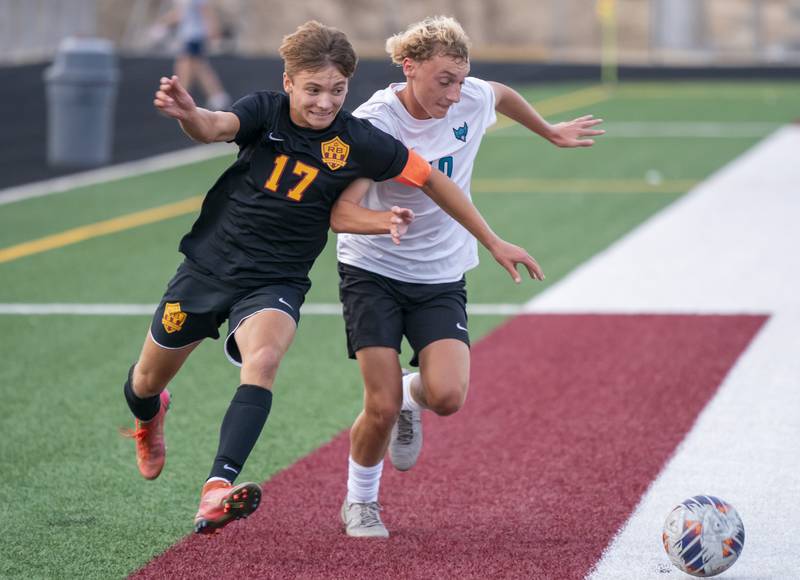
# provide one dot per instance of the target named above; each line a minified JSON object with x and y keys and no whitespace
{"x":196,"y":26}
{"x":418,"y":289}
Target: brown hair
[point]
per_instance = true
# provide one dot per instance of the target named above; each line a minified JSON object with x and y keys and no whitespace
{"x":314,"y":46}
{"x":434,"y":36}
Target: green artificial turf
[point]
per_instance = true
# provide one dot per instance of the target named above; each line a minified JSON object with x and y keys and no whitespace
{"x":72,"y":502}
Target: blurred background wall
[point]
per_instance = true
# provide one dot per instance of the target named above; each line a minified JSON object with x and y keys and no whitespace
{"x":514,"y":41}
{"x":648,"y":32}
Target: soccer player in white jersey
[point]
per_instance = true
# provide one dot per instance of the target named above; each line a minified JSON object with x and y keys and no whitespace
{"x":417,"y":288}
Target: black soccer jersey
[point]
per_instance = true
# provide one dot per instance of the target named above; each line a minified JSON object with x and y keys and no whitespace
{"x":267,"y":216}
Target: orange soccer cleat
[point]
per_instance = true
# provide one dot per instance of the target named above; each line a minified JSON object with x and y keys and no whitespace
{"x":222,"y":502}
{"x":151,"y":450}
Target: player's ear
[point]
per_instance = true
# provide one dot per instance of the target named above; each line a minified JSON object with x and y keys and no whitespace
{"x":287,"y":83}
{"x":409,"y":66}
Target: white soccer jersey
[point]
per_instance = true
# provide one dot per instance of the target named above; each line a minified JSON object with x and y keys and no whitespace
{"x":436,"y":248}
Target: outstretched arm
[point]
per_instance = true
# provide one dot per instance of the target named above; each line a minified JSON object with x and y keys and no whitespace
{"x":348,"y":216}
{"x":202,"y":125}
{"x":575,"y":133}
{"x":452,"y":200}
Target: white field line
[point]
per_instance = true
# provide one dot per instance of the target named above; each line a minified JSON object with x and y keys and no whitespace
{"x":116,"y":172}
{"x":49,"y":309}
{"x":662,"y":130}
{"x":728,"y":246}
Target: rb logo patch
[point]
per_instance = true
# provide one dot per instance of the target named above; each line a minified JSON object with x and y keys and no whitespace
{"x":173,"y":318}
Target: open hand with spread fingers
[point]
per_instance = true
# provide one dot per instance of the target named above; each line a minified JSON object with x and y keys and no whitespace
{"x":173,"y":100}
{"x":576,"y":133}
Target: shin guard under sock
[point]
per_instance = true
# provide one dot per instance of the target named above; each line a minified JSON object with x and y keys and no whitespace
{"x":143,"y":409}
{"x":240,"y":430}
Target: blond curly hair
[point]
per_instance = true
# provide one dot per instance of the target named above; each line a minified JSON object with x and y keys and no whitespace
{"x":434,"y":36}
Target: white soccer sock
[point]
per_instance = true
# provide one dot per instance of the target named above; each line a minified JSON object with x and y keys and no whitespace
{"x":363,"y":483}
{"x":409,"y":403}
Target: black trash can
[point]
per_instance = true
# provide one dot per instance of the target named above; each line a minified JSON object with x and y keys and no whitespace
{"x":81,"y":92}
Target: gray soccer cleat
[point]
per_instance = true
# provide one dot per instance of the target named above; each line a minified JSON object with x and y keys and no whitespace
{"x":406,"y":441}
{"x":363,"y":520}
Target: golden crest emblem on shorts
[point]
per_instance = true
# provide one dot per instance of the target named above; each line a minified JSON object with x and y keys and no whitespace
{"x":334,"y":153}
{"x":173,"y":317}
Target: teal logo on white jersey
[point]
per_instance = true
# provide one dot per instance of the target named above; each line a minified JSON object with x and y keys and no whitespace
{"x":461,"y":132}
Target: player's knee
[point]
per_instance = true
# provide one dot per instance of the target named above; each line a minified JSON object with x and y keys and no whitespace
{"x":446,"y":404}
{"x":382,"y":411}
{"x":148,"y":381}
{"x":445,"y":399}
{"x":262,"y":362}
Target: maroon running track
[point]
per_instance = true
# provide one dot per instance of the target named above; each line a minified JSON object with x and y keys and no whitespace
{"x":569,"y":419}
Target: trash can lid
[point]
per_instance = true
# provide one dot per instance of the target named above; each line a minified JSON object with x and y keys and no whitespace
{"x":84,"y":59}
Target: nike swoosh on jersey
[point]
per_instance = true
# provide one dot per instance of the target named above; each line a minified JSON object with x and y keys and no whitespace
{"x":273,"y":138}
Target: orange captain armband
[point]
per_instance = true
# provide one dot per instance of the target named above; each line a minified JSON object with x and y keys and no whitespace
{"x":416,"y":171}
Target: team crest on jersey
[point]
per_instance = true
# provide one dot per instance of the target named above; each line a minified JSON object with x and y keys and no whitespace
{"x":334,"y":153}
{"x":173,"y":318}
{"x":461,"y":132}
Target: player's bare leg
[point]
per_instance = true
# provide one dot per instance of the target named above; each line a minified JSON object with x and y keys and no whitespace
{"x":188,"y":68}
{"x":443,"y":381}
{"x":184,"y":68}
{"x":369,"y":435}
{"x":441,"y":386}
{"x":157,"y":366}
{"x":369,"y":438}
{"x":263,"y":340}
{"x":217,"y":99}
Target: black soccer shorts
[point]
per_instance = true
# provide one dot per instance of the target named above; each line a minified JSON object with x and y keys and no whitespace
{"x":378,"y":311}
{"x":196,"y":304}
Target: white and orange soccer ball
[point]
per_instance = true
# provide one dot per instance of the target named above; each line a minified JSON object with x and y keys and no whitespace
{"x":703,"y":536}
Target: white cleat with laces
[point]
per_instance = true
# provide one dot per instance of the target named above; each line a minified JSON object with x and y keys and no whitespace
{"x":406,"y":441}
{"x":363,"y":520}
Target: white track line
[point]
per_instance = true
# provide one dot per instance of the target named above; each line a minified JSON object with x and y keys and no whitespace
{"x":115,"y":172}
{"x":729,"y":246}
{"x":744,"y":448}
{"x":73,"y":309}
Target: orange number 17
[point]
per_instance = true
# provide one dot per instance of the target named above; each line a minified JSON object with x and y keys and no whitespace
{"x":306,"y":172}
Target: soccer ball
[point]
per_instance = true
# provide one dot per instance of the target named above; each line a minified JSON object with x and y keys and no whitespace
{"x":703,"y":536}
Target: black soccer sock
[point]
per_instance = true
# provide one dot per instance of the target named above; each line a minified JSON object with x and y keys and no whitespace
{"x":143,"y":409}
{"x":240,"y":430}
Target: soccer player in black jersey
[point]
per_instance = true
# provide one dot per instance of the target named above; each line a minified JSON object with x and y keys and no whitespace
{"x":261,"y":227}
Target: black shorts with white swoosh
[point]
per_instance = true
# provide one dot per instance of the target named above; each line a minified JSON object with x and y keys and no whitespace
{"x":378,"y":311}
{"x":196,"y":304}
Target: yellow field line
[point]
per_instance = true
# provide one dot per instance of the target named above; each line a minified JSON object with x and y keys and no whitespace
{"x":523,"y":185}
{"x":702,"y":92}
{"x":192,"y":204}
{"x":551,"y":106}
{"x":103,"y":228}
{"x":563,"y":103}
